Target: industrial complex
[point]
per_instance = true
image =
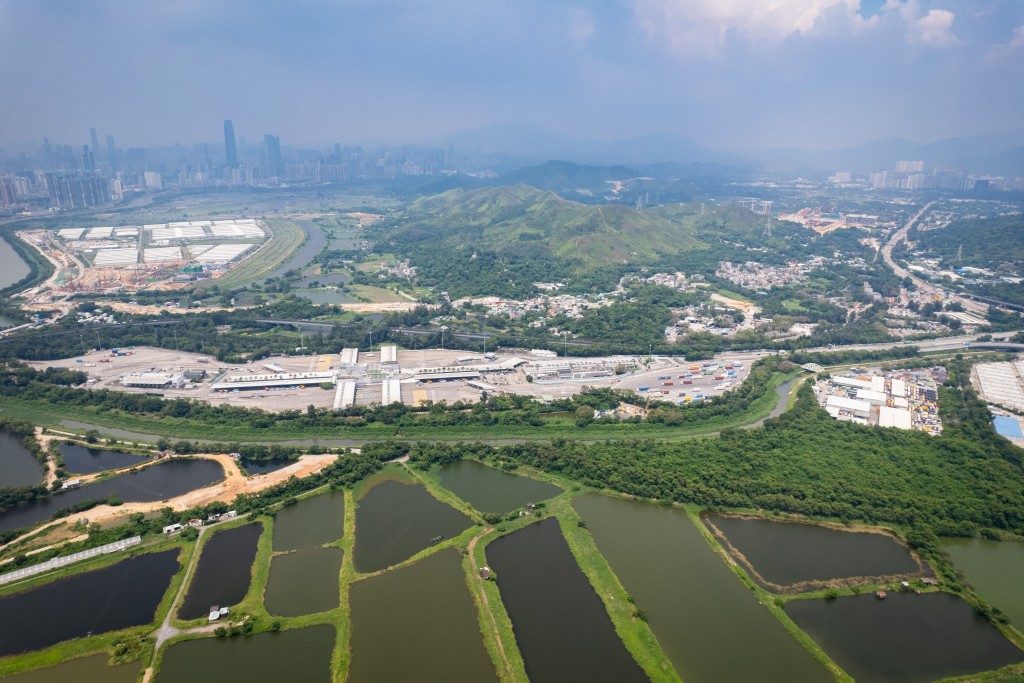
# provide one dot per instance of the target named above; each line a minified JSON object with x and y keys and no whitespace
{"x":904,"y":399}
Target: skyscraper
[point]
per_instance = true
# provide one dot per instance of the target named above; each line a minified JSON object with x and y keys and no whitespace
{"x":88,"y":160}
{"x":94,"y":140}
{"x":275,"y":166}
{"x":112,"y":154}
{"x":229,"y":144}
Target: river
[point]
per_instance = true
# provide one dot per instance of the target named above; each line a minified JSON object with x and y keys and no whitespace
{"x":12,"y":267}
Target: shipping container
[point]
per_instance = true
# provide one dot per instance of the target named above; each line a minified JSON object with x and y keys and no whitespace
{"x":666,"y":384}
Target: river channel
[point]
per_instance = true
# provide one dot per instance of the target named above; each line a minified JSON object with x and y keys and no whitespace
{"x":301,"y":655}
{"x":560,"y":624}
{"x":12,"y":267}
{"x":81,"y":460}
{"x":787,"y":553}
{"x":905,"y":638}
{"x":427,"y":608}
{"x":710,"y":626}
{"x":224,"y":571}
{"x":18,"y":467}
{"x":491,"y":490}
{"x":159,"y":482}
{"x":124,"y":594}
{"x":394,"y":521}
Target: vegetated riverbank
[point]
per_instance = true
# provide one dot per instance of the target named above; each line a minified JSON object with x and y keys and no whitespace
{"x":38,"y":267}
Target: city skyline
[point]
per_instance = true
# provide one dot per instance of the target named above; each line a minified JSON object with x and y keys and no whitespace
{"x":816,"y":74}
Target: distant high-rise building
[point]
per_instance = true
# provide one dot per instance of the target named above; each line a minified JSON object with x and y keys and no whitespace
{"x":272,"y":146}
{"x":8,"y":194}
{"x":112,"y":153}
{"x":47,"y":150}
{"x":153,"y":180}
{"x":76,"y":191}
{"x":94,"y":139}
{"x":88,"y":160}
{"x":909,"y":166}
{"x":229,"y":144}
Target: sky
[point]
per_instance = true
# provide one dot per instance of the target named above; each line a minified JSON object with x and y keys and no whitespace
{"x":736,"y":75}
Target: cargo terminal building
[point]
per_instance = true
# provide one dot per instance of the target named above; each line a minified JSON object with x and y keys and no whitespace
{"x":282,"y":380}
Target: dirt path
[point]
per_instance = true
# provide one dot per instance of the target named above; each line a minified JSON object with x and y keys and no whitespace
{"x":484,"y":601}
{"x":225,"y":491}
{"x":748,"y":308}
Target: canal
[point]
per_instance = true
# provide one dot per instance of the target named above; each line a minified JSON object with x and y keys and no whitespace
{"x":394,"y":521}
{"x":905,"y":637}
{"x":301,"y":655}
{"x":124,"y":594}
{"x":491,"y":490}
{"x":18,"y":467}
{"x":427,"y":608}
{"x":711,"y":627}
{"x":159,"y":482}
{"x":310,"y":523}
{"x":81,"y":460}
{"x":560,"y":624}
{"x":995,"y":569}
{"x":224,"y":571}
{"x":784,"y":554}
{"x":303,"y":582}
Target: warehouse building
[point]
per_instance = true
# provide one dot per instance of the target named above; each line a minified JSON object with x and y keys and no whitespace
{"x":153,"y":380}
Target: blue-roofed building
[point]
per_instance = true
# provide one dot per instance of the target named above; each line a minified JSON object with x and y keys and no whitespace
{"x":1008,"y":427}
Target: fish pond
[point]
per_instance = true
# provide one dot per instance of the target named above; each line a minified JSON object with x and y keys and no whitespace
{"x":310,"y":523}
{"x":224,"y":571}
{"x":906,"y":637}
{"x":159,"y":482}
{"x":265,"y":466}
{"x":560,"y":623}
{"x":92,"y":669}
{"x":491,"y":490}
{"x":12,"y":267}
{"x":299,"y":655}
{"x":124,"y":594}
{"x":18,"y":467}
{"x":995,"y":569}
{"x":81,"y":460}
{"x":303,"y":582}
{"x":394,"y":521}
{"x":711,"y":627}
{"x":787,"y":555}
{"x":325,"y":296}
{"x":426,"y":607}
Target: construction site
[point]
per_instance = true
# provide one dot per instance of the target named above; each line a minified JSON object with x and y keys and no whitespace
{"x":904,"y":399}
{"x":108,"y":260}
{"x":389,"y":375}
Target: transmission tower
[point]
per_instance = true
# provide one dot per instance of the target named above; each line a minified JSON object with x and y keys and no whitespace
{"x":768,"y":227}
{"x":960,"y":253}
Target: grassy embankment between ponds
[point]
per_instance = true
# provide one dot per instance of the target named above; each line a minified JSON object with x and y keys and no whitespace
{"x":53,"y":416}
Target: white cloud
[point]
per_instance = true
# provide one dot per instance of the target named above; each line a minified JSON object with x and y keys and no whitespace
{"x":580,"y":27}
{"x":1004,"y":50}
{"x":701,"y":27}
{"x":932,"y":28}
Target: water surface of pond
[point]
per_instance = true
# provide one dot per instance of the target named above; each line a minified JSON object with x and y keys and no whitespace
{"x":427,"y":608}
{"x":224,"y":571}
{"x":995,"y":569}
{"x":81,"y":460}
{"x":115,"y":597}
{"x":905,"y":637}
{"x":711,"y":627}
{"x":491,"y":490}
{"x":18,"y":467}
{"x":303,"y":582}
{"x":302,"y":655}
{"x":786,"y":553}
{"x":159,"y":482}
{"x":310,"y":523}
{"x":266,"y":466}
{"x":92,"y":669}
{"x":560,"y":624}
{"x":394,"y":521}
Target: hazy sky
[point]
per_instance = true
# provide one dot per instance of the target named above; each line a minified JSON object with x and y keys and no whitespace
{"x":731,"y":74}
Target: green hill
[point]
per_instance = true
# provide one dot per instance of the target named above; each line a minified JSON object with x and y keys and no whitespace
{"x":499,"y":240}
{"x":985,"y":242}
